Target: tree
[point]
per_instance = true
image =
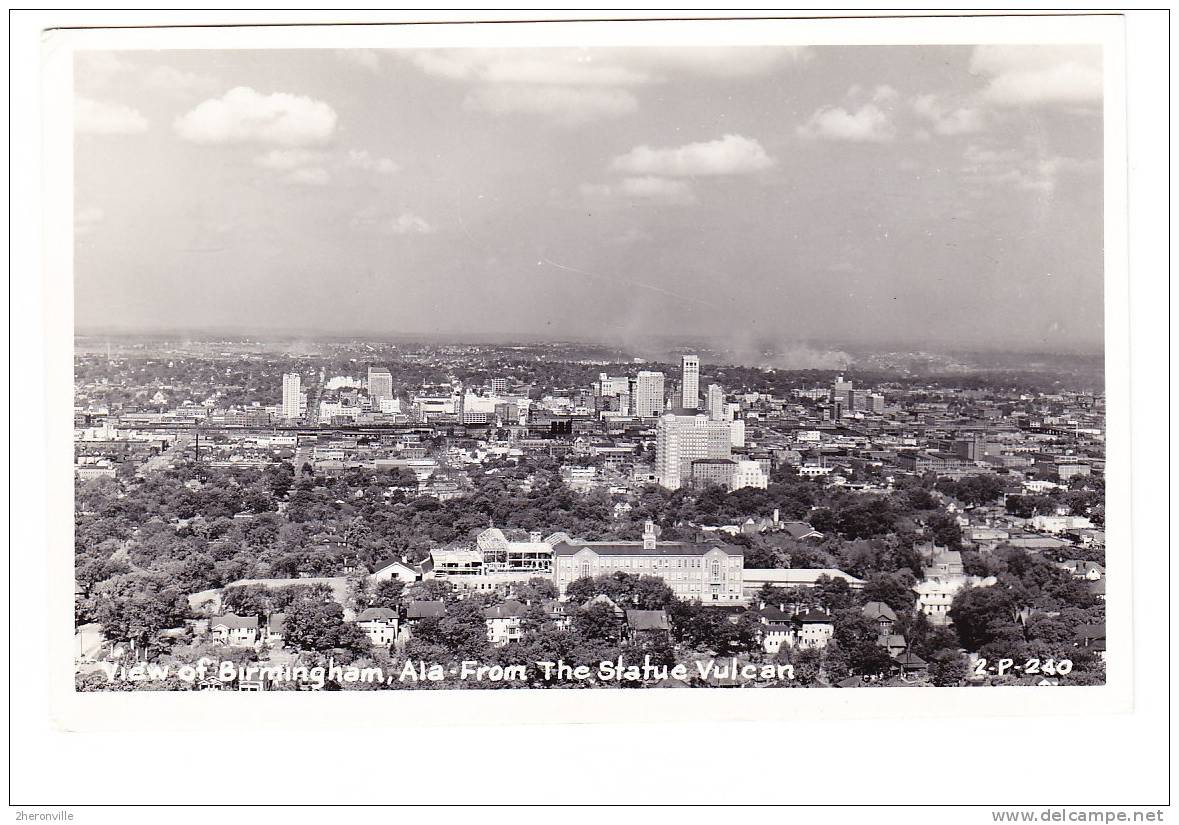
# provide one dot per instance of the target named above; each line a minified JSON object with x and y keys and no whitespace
{"x":894,"y":589}
{"x":312,"y":624}
{"x":597,"y":622}
{"x":947,"y":668}
{"x":983,"y":614}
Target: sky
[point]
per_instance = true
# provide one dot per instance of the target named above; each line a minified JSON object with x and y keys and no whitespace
{"x":871,"y":196}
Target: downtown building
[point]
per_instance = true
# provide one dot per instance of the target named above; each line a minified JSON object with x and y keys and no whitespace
{"x":683,"y":437}
{"x":380,"y":385}
{"x":292,"y":396}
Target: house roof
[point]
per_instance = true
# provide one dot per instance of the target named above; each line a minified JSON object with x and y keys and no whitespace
{"x":813,"y":617}
{"x":909,"y":659}
{"x":233,"y":621}
{"x":371,"y":614}
{"x":648,"y":619}
{"x":796,"y":577}
{"x":385,"y":565}
{"x":425,"y":610}
{"x":635,"y":548}
{"x":799,"y":529}
{"x":511,"y":609}
{"x":877,"y":610}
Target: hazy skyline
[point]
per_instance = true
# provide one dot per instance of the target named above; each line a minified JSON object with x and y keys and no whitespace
{"x":944,"y":196}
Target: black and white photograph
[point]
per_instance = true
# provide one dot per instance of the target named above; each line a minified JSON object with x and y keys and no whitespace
{"x":454,"y":369}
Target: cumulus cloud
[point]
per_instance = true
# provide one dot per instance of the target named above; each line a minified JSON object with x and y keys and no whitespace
{"x":284,"y":160}
{"x":868,"y":123}
{"x":1020,"y":170}
{"x":575,"y":86}
{"x":244,"y":115}
{"x":170,"y":79}
{"x":1032,"y":75}
{"x":365,"y":58}
{"x":948,"y":120}
{"x":310,"y":176}
{"x":361,"y":159}
{"x":569,"y":105}
{"x":730,"y":155}
{"x":94,"y":117}
{"x":648,"y":188}
{"x":408,"y":223}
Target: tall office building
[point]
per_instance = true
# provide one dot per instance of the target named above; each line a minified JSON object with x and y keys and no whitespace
{"x":499,"y":386}
{"x":682,"y":439}
{"x":841,"y":393}
{"x":717,"y":410}
{"x":876,"y":403}
{"x":690,"y":365}
{"x":647,"y":395}
{"x":292,"y":395}
{"x":380,"y":385}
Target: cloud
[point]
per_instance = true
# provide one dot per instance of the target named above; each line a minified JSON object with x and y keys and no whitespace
{"x":87,"y":220}
{"x":361,"y":159}
{"x":169,"y":79}
{"x":97,"y":69}
{"x":1033,"y":75}
{"x":730,"y":155}
{"x":310,"y":176}
{"x":946,"y":120}
{"x":284,"y":160}
{"x":868,"y":123}
{"x":408,"y":223}
{"x":243,"y":115}
{"x":885,"y":94}
{"x":94,"y":117}
{"x":649,"y":188}
{"x":574,"y":86}
{"x":568,"y":105}
{"x":1021,"y":170}
{"x":660,"y":62}
{"x":364,"y":58}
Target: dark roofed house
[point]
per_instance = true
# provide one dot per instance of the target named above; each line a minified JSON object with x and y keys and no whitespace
{"x":275,"y":629}
{"x":379,"y":624}
{"x":813,"y":629}
{"x":881,"y":615}
{"x":416,"y":611}
{"x":800,"y":530}
{"x":647,"y":624}
{"x":503,"y":621}
{"x":237,"y":631}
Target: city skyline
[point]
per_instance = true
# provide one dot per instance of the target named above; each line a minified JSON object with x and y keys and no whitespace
{"x":948,"y":196}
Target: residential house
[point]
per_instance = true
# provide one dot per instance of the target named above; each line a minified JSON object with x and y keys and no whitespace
{"x":274,"y":632}
{"x":235,"y":631}
{"x":418,"y":611}
{"x":881,"y":615}
{"x":503,"y":622}
{"x":395,"y":569}
{"x":812,"y":629}
{"x":647,"y":625}
{"x":1087,"y":570}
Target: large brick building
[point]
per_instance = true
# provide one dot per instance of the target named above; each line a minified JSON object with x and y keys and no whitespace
{"x":711,"y":573}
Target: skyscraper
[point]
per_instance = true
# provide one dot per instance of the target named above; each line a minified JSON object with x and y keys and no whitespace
{"x":690,"y":365}
{"x":499,"y":386}
{"x":292,"y":395}
{"x":647,"y":397}
{"x":682,"y":439}
{"x":841,"y":393}
{"x":717,"y":410}
{"x":380,"y":385}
